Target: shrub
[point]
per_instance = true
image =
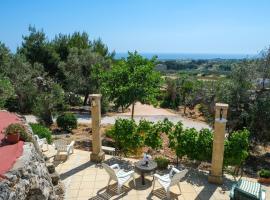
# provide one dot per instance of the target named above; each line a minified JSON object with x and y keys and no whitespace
{"x":264,"y":173}
{"x":6,"y":90}
{"x":126,"y":136}
{"x":18,"y":129}
{"x":204,"y":145}
{"x":153,"y":134}
{"x":162,"y":162}
{"x":67,"y":121}
{"x":236,"y":148}
{"x":42,"y":132}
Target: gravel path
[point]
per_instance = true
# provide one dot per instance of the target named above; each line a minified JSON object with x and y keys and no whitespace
{"x":85,"y":118}
{"x":142,"y":111}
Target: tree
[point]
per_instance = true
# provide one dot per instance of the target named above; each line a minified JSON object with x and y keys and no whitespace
{"x":22,"y":75}
{"x":187,"y":88}
{"x":264,"y":66}
{"x":37,"y":49}
{"x":82,"y":72}
{"x":5,"y":58}
{"x":49,"y":100}
{"x":6,"y":90}
{"x":132,"y":80}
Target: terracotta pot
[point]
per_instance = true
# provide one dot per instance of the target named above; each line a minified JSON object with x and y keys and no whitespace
{"x":264,"y":180}
{"x":13,"y":138}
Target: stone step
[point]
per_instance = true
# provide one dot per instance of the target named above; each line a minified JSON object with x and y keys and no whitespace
{"x":50,"y":167}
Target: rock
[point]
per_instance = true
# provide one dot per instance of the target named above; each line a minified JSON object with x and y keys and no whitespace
{"x":55,"y":178}
{"x":28,"y":179}
{"x":50,"y":167}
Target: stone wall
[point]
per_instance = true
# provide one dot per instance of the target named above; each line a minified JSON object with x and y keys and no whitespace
{"x":29,"y":178}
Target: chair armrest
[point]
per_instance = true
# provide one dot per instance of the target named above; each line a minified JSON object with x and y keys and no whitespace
{"x":115,"y":166}
{"x":174,"y":170}
{"x":125,"y":174}
{"x":232,"y":191}
{"x":263,"y":195}
{"x":160,"y":177}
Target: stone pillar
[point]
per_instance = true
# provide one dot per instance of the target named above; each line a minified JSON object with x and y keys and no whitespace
{"x":216,"y":175}
{"x":97,"y":154}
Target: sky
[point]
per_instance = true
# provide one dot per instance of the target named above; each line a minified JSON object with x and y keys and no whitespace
{"x":148,"y":26}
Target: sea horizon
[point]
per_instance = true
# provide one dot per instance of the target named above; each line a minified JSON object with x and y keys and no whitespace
{"x":189,"y":56}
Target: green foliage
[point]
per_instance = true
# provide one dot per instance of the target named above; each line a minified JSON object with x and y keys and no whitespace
{"x":17,"y":129}
{"x":67,"y":121}
{"x":236,"y":148}
{"x":42,"y":132}
{"x":6,"y":90}
{"x":172,"y":97}
{"x":259,"y":117}
{"x":162,"y":162}
{"x":264,"y":173}
{"x":50,"y":100}
{"x":126,"y":136}
{"x":204,"y":145}
{"x":175,"y":139}
{"x":132,"y":80}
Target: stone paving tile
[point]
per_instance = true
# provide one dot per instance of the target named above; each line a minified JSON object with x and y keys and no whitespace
{"x":87,"y":181}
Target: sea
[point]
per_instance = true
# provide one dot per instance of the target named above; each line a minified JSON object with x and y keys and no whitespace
{"x":189,"y":56}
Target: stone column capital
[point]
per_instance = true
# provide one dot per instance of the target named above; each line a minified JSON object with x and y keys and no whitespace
{"x":95,"y":96}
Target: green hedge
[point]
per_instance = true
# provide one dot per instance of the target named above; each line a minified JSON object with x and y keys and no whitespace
{"x":195,"y":145}
{"x":42,"y":132}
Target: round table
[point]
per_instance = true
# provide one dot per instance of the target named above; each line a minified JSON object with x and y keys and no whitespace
{"x":143,"y":169}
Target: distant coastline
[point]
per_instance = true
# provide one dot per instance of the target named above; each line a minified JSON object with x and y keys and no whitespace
{"x":190,"y":56}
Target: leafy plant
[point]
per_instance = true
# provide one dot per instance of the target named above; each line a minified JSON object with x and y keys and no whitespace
{"x":6,"y":90}
{"x":42,"y":132}
{"x":174,"y":139}
{"x":126,"y":136}
{"x":162,"y":162}
{"x":19,"y":129}
{"x":236,"y":148}
{"x":67,"y":121}
{"x":264,"y":173}
{"x":204,"y":145}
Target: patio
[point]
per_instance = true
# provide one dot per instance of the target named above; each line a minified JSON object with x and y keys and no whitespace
{"x":86,"y":180}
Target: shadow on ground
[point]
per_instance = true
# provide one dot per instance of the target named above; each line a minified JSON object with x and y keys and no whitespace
{"x":111,"y":192}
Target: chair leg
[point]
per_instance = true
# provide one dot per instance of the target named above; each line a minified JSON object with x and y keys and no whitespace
{"x":134,"y":180}
{"x":119,"y":189}
{"x":168,"y":193}
{"x":154,"y":182}
{"x":109,"y":182}
{"x":179,"y":188}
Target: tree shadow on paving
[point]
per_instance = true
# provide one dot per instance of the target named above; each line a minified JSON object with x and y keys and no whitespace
{"x":161,"y":194}
{"x":76,"y":170}
{"x":111,"y":192}
{"x":124,"y":164}
{"x":200,"y":179}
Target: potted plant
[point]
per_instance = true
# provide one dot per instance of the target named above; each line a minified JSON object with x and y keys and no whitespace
{"x":162,"y":162}
{"x":264,"y":176}
{"x":13,"y":133}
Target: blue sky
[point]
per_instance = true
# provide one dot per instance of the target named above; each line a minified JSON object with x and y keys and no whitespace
{"x":158,"y":26}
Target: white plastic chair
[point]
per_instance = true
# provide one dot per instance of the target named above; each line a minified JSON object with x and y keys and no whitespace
{"x":171,"y":179}
{"x":41,"y":141}
{"x":118,"y":175}
{"x":62,"y":146}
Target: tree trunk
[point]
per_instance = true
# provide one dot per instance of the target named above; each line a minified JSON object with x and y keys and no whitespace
{"x":132,"y":110}
{"x":85,"y":99}
{"x":184,"y":101}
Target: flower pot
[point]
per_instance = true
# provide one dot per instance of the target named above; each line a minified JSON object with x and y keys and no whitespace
{"x":13,"y":138}
{"x":264,"y":180}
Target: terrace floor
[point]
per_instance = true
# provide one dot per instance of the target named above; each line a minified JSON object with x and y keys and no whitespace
{"x":85,"y":180}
